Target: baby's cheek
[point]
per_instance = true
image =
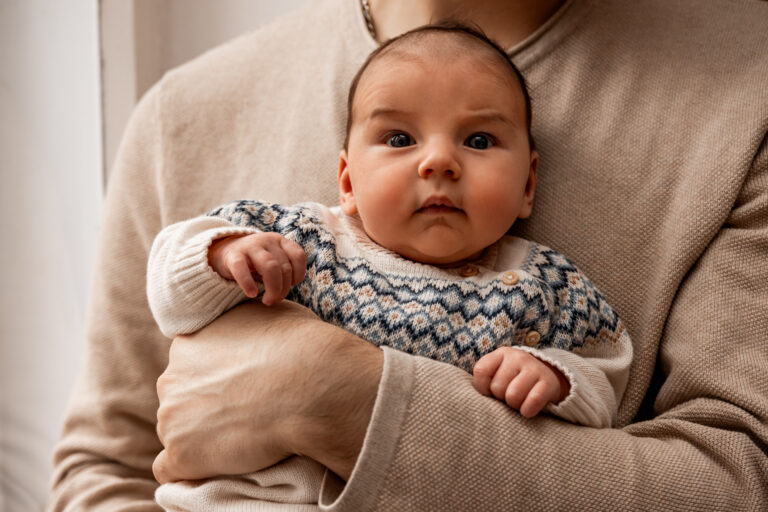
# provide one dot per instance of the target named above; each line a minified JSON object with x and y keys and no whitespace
{"x":380,"y":214}
{"x":497,"y":210}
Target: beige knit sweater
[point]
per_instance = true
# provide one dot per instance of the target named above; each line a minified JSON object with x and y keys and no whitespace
{"x":651,"y":120}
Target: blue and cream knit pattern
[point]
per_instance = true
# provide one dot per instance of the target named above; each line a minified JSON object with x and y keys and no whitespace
{"x":455,"y":319}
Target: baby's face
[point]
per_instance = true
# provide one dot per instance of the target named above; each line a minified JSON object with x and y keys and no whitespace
{"x":438,"y":164}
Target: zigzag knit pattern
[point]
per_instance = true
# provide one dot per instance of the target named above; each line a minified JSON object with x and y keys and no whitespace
{"x":454,"y":321}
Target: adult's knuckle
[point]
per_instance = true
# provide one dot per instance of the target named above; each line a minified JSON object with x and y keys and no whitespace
{"x":161,"y":383}
{"x":176,"y":456}
{"x":158,"y":467}
{"x":164,"y":382}
{"x":269,"y":263}
{"x":164,"y":416}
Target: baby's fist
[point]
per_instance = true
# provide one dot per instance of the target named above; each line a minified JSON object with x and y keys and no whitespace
{"x":520,"y":379}
{"x":271,"y":258}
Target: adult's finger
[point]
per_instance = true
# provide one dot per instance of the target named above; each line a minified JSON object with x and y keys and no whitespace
{"x":168,"y":468}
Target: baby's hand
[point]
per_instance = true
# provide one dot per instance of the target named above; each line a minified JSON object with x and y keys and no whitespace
{"x":523,"y":381}
{"x":278,"y":262}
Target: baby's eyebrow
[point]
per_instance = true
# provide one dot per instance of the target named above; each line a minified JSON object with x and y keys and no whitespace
{"x":489,"y":115}
{"x":385,"y":112}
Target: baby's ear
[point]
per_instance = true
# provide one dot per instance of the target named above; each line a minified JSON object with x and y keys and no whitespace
{"x":530,"y":187}
{"x":346,"y":196}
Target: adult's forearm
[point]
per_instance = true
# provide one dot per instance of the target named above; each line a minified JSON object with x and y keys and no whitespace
{"x":435,"y":444}
{"x":333,"y":430}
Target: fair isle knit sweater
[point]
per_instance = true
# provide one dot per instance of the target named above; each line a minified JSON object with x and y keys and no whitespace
{"x":651,"y":120}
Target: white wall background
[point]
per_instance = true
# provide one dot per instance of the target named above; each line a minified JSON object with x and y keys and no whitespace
{"x":52,"y":131}
{"x":144,"y":38}
{"x":50,"y":159}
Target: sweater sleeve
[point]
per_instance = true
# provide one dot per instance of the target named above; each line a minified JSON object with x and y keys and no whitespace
{"x":597,"y":379}
{"x":704,"y":449}
{"x":185,"y":294}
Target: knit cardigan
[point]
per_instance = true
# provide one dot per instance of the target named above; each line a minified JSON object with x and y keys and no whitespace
{"x":650,"y":118}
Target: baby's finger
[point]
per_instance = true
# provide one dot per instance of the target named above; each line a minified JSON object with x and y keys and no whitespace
{"x":269,"y":268}
{"x":241,"y":273}
{"x":287,"y":271}
{"x":505,"y":374}
{"x":542,"y":393}
{"x":298,"y":259}
{"x":519,"y":388}
{"x":484,"y":370}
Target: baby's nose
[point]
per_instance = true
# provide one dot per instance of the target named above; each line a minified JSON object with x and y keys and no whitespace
{"x":440,"y":159}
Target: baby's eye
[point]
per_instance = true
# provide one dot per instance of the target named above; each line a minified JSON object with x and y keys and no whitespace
{"x":479,"y":141}
{"x":399,"y":140}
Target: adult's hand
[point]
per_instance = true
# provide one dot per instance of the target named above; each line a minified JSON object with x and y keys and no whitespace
{"x":260,"y":384}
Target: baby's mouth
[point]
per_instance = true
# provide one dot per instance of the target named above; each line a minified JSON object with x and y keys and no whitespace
{"x":438,"y":205}
{"x":437,"y":209}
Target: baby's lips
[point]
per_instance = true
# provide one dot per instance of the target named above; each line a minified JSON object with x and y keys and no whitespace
{"x":438,"y":201}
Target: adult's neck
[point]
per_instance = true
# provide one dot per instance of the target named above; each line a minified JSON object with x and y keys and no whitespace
{"x":506,"y":21}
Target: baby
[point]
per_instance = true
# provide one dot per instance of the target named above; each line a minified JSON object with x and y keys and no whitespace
{"x":437,"y":165}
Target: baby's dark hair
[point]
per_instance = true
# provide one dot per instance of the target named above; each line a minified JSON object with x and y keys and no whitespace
{"x":446,"y":27}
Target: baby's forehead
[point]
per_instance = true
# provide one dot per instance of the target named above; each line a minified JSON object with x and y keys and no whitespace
{"x":442,"y":49}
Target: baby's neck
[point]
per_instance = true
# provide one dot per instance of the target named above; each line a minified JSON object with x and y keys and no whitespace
{"x":475,"y":258}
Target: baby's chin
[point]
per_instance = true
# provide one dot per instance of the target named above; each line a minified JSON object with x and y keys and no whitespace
{"x":439,"y":249}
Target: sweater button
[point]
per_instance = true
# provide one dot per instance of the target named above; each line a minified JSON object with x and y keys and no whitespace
{"x":469,"y":270}
{"x":532,"y":338}
{"x":510,"y":278}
